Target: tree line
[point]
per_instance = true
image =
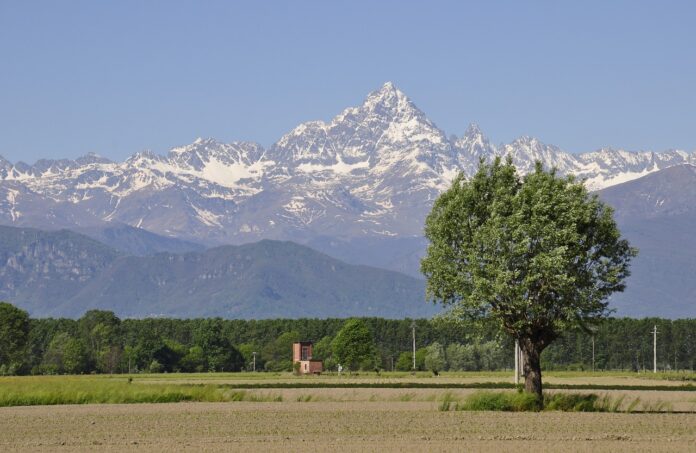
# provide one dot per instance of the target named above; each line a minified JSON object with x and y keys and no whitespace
{"x":100,"y":342}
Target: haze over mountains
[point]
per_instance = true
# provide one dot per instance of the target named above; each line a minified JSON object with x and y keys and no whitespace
{"x":357,"y":188}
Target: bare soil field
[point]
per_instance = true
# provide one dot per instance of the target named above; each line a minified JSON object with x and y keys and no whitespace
{"x":323,"y":426}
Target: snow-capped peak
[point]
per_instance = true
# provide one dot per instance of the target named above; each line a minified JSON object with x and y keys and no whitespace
{"x":374,"y":169}
{"x":389,"y":103}
{"x":473,"y":131}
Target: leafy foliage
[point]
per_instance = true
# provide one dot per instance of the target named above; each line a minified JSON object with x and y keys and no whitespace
{"x":537,"y":255}
{"x":63,"y":345}
{"x":354,"y":346}
{"x":435,"y":358}
{"x":14,"y":333}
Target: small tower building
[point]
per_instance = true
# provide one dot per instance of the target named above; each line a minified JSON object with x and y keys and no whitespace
{"x":302,"y":353}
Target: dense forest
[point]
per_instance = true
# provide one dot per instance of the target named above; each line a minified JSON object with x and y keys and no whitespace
{"x":100,"y":342}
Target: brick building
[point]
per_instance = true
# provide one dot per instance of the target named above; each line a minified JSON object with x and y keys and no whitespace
{"x":302,"y":353}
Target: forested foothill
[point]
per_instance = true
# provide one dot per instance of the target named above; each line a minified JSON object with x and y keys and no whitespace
{"x":100,"y":342}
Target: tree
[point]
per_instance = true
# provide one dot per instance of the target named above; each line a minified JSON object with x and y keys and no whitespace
{"x":405,"y":360}
{"x":323,"y":350}
{"x":354,"y":347}
{"x":14,"y":333}
{"x":65,"y":354}
{"x":194,"y":360}
{"x":217,"y":348}
{"x":463,"y":357}
{"x":247,"y":351}
{"x":538,"y":255}
{"x":435,"y":358}
{"x":100,"y":332}
{"x":277,"y":355}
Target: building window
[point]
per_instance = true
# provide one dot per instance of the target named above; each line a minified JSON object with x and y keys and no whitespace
{"x":305,"y":353}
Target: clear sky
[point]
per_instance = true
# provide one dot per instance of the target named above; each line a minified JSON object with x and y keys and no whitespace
{"x":118,"y":77}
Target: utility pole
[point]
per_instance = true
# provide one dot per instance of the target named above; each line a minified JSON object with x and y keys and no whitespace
{"x":655,"y":349}
{"x":593,"y":353}
{"x":254,"y":354}
{"x":413,"y":329}
{"x":517,"y":362}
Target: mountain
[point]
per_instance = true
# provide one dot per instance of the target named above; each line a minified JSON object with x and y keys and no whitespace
{"x":40,"y":268}
{"x":657,"y":213}
{"x":136,"y":241}
{"x":370,"y":173}
{"x":663,"y":194}
{"x":61,"y":273}
{"x":357,"y":187}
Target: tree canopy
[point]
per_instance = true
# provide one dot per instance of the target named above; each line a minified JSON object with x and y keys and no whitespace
{"x":354,"y":347}
{"x":538,"y":255}
{"x":14,"y":333}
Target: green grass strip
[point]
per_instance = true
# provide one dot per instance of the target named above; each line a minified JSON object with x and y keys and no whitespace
{"x":435,"y":385}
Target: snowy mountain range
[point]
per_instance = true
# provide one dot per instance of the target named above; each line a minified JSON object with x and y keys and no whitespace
{"x":371,"y":172}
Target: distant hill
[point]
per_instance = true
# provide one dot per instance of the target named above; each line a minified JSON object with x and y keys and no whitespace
{"x":64,"y":274}
{"x":657,"y":213}
{"x":40,"y":268}
{"x":136,"y":241}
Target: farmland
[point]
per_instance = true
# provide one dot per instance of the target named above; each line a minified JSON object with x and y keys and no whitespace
{"x":391,"y":411}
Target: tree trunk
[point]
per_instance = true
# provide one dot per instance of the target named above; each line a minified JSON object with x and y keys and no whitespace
{"x":531,"y":360}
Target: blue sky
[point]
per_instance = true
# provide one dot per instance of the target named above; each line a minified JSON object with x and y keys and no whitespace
{"x":118,"y":77}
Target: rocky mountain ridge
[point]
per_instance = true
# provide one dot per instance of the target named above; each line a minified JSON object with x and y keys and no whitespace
{"x":371,"y":172}
{"x":63,"y":274}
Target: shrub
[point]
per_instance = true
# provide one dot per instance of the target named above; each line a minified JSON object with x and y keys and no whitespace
{"x":155,"y":367}
{"x":566,"y":402}
{"x":571,"y":402}
{"x":448,"y":402}
{"x":498,"y":401}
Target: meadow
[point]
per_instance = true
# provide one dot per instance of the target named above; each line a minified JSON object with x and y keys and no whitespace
{"x":365,"y":411}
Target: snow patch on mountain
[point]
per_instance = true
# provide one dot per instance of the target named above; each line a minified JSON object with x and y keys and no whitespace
{"x":372,"y":170}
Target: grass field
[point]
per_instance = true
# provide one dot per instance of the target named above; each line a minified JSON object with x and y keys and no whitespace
{"x":392,"y":411}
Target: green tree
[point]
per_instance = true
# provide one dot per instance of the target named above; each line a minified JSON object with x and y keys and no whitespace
{"x":100,"y":333}
{"x":354,"y":347}
{"x":14,"y":333}
{"x":65,"y":354}
{"x":435,"y":358}
{"x":217,"y":348}
{"x":463,"y":357}
{"x":194,"y":360}
{"x":323,"y":350}
{"x":277,"y":355}
{"x":169,"y":355}
{"x":247,"y":350}
{"x":404,"y":362}
{"x":538,"y":255}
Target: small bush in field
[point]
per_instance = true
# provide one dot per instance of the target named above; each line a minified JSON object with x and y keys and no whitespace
{"x":496,"y":401}
{"x":566,"y":402}
{"x":571,"y":402}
